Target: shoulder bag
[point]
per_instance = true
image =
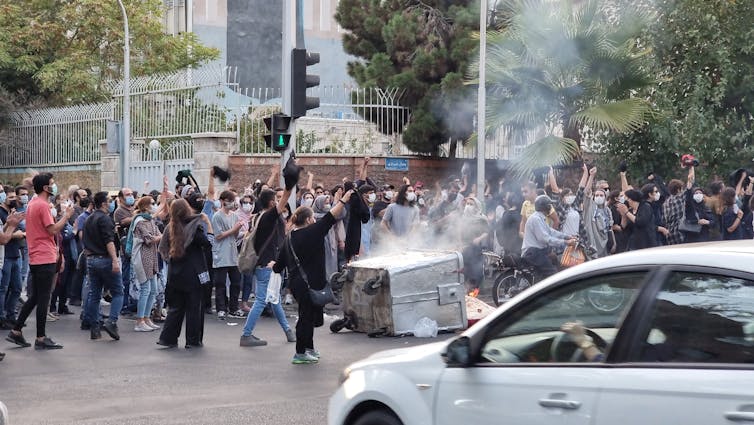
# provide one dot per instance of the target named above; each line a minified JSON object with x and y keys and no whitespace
{"x":685,"y":226}
{"x":319,"y":297}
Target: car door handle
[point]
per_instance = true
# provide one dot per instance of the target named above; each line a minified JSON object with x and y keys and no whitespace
{"x":740,"y":416}
{"x":560,"y":404}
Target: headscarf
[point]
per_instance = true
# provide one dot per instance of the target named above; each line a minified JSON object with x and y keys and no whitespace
{"x":319,"y":207}
{"x":477,"y":209}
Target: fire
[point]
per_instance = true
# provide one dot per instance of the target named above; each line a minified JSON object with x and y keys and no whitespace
{"x":474,"y":293}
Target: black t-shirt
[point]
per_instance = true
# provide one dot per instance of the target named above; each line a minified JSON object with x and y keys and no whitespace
{"x":99,"y":229}
{"x":13,"y":247}
{"x":377,"y":208}
{"x":269,"y":221}
{"x":309,"y":244}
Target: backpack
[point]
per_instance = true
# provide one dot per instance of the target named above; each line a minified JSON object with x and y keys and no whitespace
{"x":247,"y":256}
{"x":129,"y":245}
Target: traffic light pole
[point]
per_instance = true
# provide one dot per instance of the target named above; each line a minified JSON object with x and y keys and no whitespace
{"x":290,"y":8}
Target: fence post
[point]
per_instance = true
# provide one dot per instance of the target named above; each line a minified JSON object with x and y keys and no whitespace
{"x":212,"y":149}
{"x":110,"y":171}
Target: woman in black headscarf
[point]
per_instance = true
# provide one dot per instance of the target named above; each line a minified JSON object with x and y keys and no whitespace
{"x":638,"y":221}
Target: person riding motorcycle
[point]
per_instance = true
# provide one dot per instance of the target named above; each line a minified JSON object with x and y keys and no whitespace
{"x":540,"y":239}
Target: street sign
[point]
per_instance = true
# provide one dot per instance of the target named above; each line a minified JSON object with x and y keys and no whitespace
{"x":396,"y":164}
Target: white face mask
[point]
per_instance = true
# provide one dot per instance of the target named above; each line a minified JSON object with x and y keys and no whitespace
{"x":153,"y":209}
{"x":218,"y":204}
{"x":307,"y":202}
{"x":622,"y":199}
{"x":371,"y":197}
{"x":247,"y":207}
{"x":388,"y":195}
{"x":657,"y":196}
{"x":54,"y":212}
{"x":421,"y":201}
{"x":444,"y":195}
{"x":569,"y":199}
{"x":411,"y":196}
{"x":468,"y":210}
{"x":698,"y":197}
{"x":599,"y":200}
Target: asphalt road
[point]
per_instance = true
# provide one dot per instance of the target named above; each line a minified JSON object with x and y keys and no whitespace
{"x":133,"y":381}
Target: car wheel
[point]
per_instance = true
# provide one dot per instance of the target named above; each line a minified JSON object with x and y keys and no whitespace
{"x":508,"y":286}
{"x":605,"y":298}
{"x":378,"y":417}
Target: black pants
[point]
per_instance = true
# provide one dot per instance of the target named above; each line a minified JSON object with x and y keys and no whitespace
{"x":62,"y":291}
{"x":41,"y":277}
{"x":184,"y":302}
{"x":309,"y":317}
{"x":221,"y":298}
{"x":539,"y":258}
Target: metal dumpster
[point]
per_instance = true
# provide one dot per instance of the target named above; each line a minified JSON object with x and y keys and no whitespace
{"x":387,"y":295}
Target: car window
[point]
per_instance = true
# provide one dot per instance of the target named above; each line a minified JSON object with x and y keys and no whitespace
{"x":533,"y":333}
{"x":701,"y":318}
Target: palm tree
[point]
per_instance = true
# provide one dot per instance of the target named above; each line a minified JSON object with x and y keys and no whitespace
{"x":563,"y":67}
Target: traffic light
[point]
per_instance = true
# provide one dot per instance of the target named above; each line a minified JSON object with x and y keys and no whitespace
{"x":278,"y":138}
{"x":300,"y":81}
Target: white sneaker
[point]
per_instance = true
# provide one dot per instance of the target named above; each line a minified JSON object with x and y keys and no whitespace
{"x":288,"y":299}
{"x":221,"y":315}
{"x":151,"y":324}
{"x":143,"y":327}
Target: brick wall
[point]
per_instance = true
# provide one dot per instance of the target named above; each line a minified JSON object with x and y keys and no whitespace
{"x":84,"y":177}
{"x":330,"y":170}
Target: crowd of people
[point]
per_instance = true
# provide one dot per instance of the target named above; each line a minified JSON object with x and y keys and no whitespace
{"x":169,"y":256}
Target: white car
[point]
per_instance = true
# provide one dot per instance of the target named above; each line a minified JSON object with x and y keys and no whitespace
{"x":674,"y":335}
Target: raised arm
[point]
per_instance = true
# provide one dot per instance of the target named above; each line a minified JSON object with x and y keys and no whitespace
{"x":624,"y":186}
{"x":309,"y":181}
{"x":363,"y":169}
{"x":553,"y":181}
{"x":589,"y":182}
{"x":211,"y":186}
{"x":691,"y":179}
{"x":273,"y":181}
{"x":739,"y":186}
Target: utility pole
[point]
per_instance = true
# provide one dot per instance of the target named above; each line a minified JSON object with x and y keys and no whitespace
{"x":482,"y":102}
{"x":125,"y":148}
{"x":292,"y":14}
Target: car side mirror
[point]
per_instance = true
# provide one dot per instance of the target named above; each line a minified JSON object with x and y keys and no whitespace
{"x":458,"y":352}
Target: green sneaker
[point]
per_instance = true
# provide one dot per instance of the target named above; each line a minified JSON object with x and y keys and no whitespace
{"x":305,"y":358}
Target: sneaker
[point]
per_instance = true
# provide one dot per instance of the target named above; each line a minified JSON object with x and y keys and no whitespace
{"x":46,"y":344}
{"x":167,"y":344}
{"x":312,"y":352}
{"x":151,"y":324}
{"x":2,"y":356}
{"x":51,"y":317}
{"x":288,"y":299}
{"x":290,"y":335}
{"x":221,"y":315}
{"x":111,"y":329}
{"x":305,"y":358}
{"x":252,"y":341}
{"x":17,"y":339}
{"x":237,"y":314}
{"x":143,"y":327}
{"x":95,"y":332}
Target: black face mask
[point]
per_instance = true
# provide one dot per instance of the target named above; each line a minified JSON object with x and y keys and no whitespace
{"x":12,"y":204}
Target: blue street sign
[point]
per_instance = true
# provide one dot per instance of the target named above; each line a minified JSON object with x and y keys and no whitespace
{"x":396,"y":164}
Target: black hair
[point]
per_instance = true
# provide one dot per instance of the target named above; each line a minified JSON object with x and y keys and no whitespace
{"x":366,"y":188}
{"x":515,"y":199}
{"x":400,"y":198}
{"x":647,"y":189}
{"x":301,"y":215}
{"x":84,"y":202}
{"x":40,"y":181}
{"x":265,"y":197}
{"x":20,"y":188}
{"x":227,"y":195}
{"x":100,"y":198}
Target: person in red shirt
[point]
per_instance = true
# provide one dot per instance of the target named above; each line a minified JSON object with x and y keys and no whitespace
{"x":43,"y":256}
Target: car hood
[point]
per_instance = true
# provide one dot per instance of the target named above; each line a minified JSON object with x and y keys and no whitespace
{"x":420,"y":353}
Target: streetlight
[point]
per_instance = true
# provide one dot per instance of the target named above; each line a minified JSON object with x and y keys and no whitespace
{"x":481,"y":101}
{"x":126,"y":145}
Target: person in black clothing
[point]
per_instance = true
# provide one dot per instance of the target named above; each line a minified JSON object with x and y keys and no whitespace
{"x":307,"y":241}
{"x":697,"y":212}
{"x":507,"y":234}
{"x":189,"y":253}
{"x":638,"y":221}
{"x":358,"y":212}
{"x":621,"y":236}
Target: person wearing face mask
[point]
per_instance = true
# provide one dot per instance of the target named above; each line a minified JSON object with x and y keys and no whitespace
{"x":307,"y":200}
{"x":653,"y":194}
{"x":146,"y":238}
{"x":10,"y":283}
{"x":402,"y":217}
{"x":672,"y":211}
{"x":123,"y":215}
{"x":569,"y":208}
{"x":696,"y":211}
{"x":637,"y":221}
{"x":621,"y":238}
{"x":473,"y":235}
{"x":322,"y":206}
{"x":225,"y":257}
{"x":370,"y":197}
{"x":732,"y":215}
{"x":598,"y":220}
{"x":245,"y":214}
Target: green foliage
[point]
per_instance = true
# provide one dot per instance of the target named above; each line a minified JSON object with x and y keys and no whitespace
{"x":702,"y":51}
{"x":562,"y":66}
{"x":62,"y":50}
{"x":422,"y":48}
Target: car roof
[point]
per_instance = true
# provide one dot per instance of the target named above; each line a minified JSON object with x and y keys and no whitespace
{"x":733,"y":255}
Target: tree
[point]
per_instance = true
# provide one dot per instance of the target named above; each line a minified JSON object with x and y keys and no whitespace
{"x":702,"y":51}
{"x":62,"y":50}
{"x":422,"y":48}
{"x":565,"y":67}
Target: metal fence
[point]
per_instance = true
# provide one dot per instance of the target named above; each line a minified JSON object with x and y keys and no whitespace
{"x":150,"y":162}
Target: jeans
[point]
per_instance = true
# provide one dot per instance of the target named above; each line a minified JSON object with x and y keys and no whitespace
{"x":248,"y":286}
{"x":263,"y":278}
{"x":24,"y":265}
{"x":41,"y":278}
{"x":147,"y":295}
{"x":125,"y":271}
{"x":101,"y":276}
{"x":10,"y":288}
